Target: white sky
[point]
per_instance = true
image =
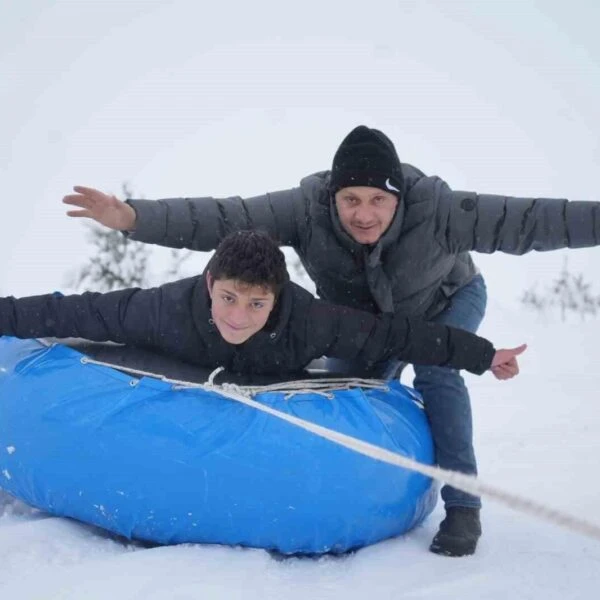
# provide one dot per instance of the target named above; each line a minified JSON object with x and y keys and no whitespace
{"x":189,"y":98}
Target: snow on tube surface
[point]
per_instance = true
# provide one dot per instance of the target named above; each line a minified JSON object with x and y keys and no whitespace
{"x":146,"y":460}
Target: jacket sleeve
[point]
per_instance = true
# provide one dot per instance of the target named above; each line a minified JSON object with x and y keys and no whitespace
{"x":487,"y":223}
{"x":356,"y":335}
{"x":201,"y":223}
{"x":127,"y":316}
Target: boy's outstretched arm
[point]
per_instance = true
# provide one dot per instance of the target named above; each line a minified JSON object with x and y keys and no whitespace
{"x":352,"y":334}
{"x":126,"y":316}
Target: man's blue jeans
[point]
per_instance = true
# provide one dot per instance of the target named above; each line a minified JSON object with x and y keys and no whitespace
{"x":444,"y":392}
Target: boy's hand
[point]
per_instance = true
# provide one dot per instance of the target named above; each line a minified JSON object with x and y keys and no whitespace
{"x":504,"y":363}
{"x":106,"y":210}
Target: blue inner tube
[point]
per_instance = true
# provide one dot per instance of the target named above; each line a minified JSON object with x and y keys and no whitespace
{"x":148,"y":460}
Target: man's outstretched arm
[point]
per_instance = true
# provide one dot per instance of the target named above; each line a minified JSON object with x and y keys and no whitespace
{"x":194,"y":223}
{"x":489,"y":223}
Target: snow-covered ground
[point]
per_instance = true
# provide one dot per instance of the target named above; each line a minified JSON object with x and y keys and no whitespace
{"x":537,"y":435}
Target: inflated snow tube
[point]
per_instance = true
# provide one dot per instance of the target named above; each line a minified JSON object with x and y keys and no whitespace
{"x":149,"y":460}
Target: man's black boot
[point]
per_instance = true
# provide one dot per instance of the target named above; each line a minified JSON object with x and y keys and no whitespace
{"x":459,"y":532}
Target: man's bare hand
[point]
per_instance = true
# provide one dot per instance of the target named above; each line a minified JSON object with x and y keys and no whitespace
{"x":106,"y":210}
{"x":504,"y":363}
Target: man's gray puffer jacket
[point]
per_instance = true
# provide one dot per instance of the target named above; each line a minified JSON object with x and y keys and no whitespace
{"x":420,"y":261}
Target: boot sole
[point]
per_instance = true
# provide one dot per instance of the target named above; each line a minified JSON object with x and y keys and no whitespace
{"x":452,"y":546}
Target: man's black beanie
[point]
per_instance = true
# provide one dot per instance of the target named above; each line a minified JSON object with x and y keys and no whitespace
{"x":367,"y":157}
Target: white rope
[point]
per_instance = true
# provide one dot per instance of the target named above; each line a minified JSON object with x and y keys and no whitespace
{"x":467,"y":483}
{"x":299,"y":386}
{"x":211,"y":377}
{"x":90,"y":361}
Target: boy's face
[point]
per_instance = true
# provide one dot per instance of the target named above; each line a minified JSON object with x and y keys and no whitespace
{"x":239,"y":310}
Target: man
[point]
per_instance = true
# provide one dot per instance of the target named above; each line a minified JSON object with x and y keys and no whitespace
{"x":244,"y":314}
{"x":381,"y":236}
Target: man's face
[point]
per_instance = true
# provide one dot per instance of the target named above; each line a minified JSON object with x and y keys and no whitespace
{"x":239,"y":310}
{"x":365,"y":212}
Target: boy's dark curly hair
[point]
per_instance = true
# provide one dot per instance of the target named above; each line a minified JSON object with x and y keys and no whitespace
{"x":250,"y":257}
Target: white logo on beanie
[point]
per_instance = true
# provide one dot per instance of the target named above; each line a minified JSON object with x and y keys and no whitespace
{"x":389,"y":186}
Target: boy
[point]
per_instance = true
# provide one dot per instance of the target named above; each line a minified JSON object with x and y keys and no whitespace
{"x":245,"y":315}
